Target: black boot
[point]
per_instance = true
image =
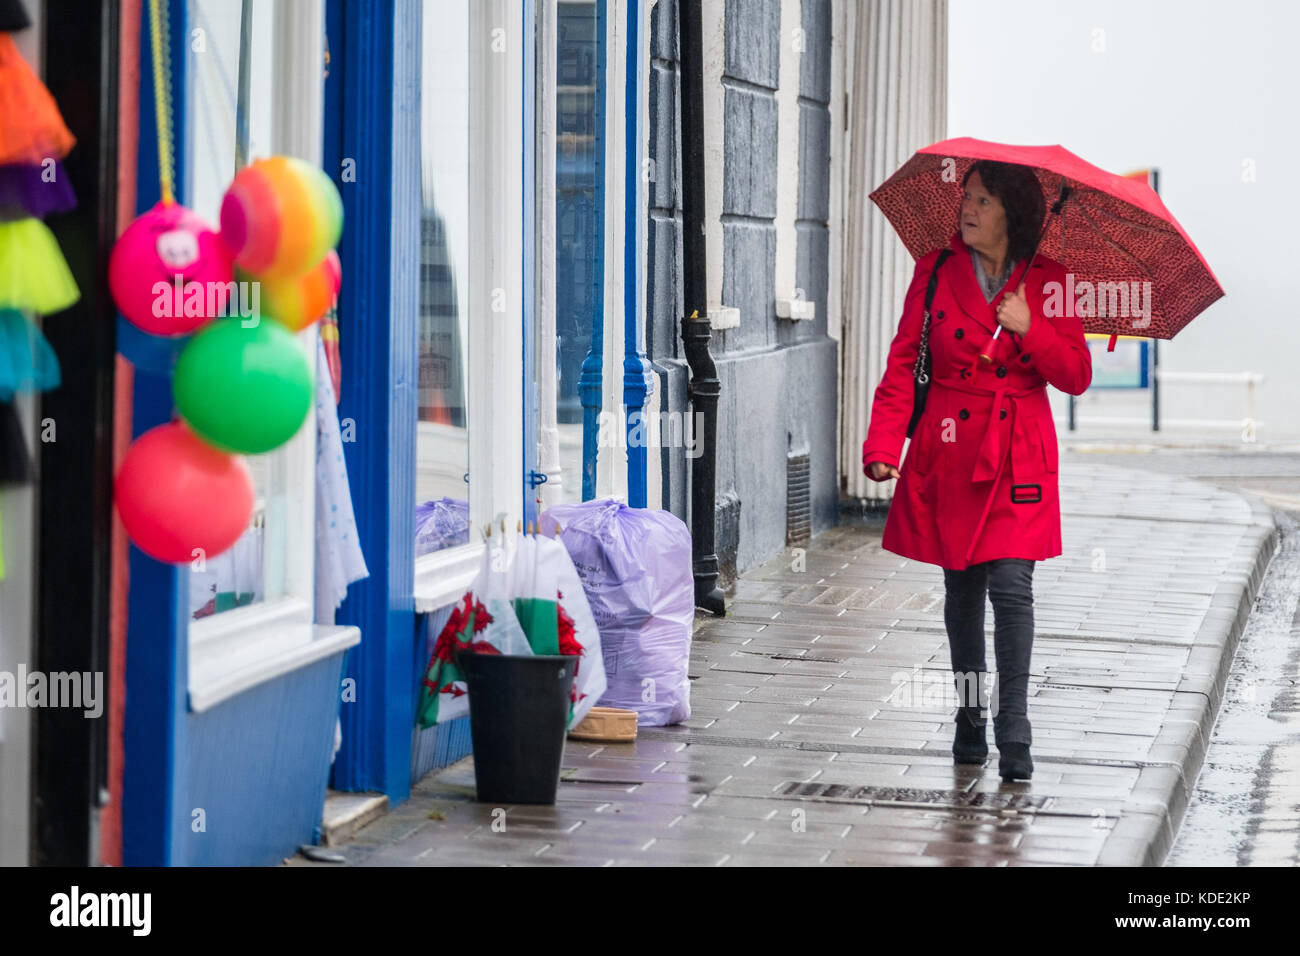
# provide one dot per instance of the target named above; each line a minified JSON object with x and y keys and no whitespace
{"x":969,"y":745}
{"x":1014,"y":762}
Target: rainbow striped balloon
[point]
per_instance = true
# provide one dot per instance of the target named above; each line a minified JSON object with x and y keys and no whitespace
{"x":280,"y":217}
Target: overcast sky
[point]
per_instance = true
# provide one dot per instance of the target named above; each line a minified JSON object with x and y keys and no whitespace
{"x":1195,"y":88}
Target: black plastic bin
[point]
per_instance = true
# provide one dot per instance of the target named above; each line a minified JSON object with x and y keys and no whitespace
{"x":519,"y":715}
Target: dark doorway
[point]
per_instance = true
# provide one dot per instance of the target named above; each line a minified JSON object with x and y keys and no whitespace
{"x":76,"y":468}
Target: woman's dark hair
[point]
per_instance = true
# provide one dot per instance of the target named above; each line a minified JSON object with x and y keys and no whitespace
{"x":1022,"y":198}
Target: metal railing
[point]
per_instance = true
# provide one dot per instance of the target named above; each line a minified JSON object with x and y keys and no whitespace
{"x":1248,"y":425}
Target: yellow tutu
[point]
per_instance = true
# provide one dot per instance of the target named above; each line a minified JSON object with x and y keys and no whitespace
{"x":34,"y":276}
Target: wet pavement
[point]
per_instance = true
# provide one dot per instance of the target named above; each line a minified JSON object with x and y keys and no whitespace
{"x":822,"y":709}
{"x":1245,"y":810}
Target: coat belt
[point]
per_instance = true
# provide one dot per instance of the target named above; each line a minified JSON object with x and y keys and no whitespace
{"x":988,"y":458}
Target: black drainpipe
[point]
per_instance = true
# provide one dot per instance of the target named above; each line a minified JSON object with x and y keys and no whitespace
{"x":704,"y":386}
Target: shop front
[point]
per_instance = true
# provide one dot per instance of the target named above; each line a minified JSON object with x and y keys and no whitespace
{"x":487,"y":335}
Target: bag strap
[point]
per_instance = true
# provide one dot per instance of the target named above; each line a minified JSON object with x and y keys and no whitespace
{"x":921,"y":370}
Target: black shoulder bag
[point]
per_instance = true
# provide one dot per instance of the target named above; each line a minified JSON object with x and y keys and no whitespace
{"x":921,"y":370}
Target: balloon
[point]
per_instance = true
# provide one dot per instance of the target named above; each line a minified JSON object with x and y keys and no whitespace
{"x":297,"y":303}
{"x":280,"y":216}
{"x":156,"y":354}
{"x":243,"y":389}
{"x":169,"y":273}
{"x":179,"y":498}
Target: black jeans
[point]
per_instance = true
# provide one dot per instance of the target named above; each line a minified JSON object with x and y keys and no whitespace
{"x":1008,"y":582}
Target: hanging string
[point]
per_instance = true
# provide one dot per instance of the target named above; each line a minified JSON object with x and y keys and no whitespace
{"x":162,"y":98}
{"x":241,"y":100}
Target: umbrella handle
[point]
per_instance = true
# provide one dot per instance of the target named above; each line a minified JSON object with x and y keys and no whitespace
{"x":987,"y":355}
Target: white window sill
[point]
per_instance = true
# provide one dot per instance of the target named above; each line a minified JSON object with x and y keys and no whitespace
{"x":236,"y":650}
{"x":444,"y":576}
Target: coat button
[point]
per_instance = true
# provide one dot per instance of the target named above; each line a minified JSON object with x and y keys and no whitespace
{"x":941,"y":313}
{"x":1002,"y":414}
{"x":959,"y":333}
{"x":963,"y":414}
{"x":1002,"y":371}
{"x":1025,"y":357}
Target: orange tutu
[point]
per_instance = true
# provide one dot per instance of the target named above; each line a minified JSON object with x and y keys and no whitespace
{"x":31,"y":127}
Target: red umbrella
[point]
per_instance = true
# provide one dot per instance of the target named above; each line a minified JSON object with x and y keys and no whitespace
{"x":1102,"y":227}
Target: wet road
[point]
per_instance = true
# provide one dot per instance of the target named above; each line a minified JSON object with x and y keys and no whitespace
{"x":1245,"y":809}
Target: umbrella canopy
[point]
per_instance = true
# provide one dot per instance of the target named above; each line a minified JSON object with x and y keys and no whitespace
{"x":1109,"y":229}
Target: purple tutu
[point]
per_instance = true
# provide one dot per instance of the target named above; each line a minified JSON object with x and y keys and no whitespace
{"x":31,"y":192}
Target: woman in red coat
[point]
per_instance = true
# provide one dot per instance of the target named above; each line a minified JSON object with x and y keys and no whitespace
{"x":977,"y":493}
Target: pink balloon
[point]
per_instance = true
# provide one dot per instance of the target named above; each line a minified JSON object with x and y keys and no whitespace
{"x":181,"y":499}
{"x":170,"y":273}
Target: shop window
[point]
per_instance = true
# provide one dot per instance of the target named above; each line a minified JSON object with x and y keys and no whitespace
{"x":272,"y":561}
{"x":579,"y":243}
{"x":469,"y":454}
{"x":443,"y":474}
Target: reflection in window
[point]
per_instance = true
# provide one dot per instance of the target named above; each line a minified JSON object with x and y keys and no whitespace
{"x":580,"y":244}
{"x":253,"y":569}
{"x":442,"y":451}
{"x":442,"y":381}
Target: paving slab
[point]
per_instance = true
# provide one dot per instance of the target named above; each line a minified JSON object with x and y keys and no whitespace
{"x":821,"y":732}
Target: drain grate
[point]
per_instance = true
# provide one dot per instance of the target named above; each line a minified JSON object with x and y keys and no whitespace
{"x":806,"y":657}
{"x":905,"y":795}
{"x":798,"y":499}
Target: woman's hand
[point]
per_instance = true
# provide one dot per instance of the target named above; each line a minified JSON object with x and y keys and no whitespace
{"x":1013,"y":311}
{"x":879,"y":470}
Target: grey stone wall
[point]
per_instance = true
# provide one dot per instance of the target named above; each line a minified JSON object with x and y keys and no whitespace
{"x":778,"y":377}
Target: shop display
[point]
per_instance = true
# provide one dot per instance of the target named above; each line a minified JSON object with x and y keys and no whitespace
{"x":529,"y":601}
{"x":169,"y":273}
{"x":33,"y":274}
{"x":240,"y":384}
{"x":243,"y":388}
{"x":179,"y":498}
{"x":34,"y":277}
{"x":32,"y":130}
{"x":299,"y":301}
{"x":27,"y":363}
{"x":280,"y":217}
{"x":577,"y":632}
{"x":483,"y":621}
{"x":29,"y":191}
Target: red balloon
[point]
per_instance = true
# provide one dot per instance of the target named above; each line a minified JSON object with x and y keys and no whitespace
{"x":182,"y":499}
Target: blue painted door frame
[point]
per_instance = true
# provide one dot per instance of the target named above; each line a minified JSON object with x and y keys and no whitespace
{"x":590,"y":378}
{"x":372,"y":150}
{"x":638,"y":380}
{"x":157,"y":661}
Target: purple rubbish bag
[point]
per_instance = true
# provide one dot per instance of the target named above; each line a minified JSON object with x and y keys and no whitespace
{"x":441,"y":523}
{"x":635,"y":566}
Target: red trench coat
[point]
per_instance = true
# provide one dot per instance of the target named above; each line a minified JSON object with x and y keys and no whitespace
{"x":980,"y":478}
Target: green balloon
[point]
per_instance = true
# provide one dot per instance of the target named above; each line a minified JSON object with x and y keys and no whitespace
{"x":245,"y":390}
